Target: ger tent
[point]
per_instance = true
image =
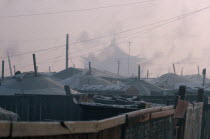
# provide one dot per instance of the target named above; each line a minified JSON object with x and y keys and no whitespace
{"x":85,"y":78}
{"x":27,"y":83}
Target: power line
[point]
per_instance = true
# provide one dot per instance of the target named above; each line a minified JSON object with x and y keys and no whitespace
{"x":151,"y":29}
{"x":24,"y":53}
{"x":173,"y":18}
{"x":155,"y":27}
{"x":158,"y":26}
{"x":36,"y":51}
{"x":78,"y":10}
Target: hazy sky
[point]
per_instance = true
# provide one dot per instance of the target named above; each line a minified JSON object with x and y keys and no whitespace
{"x":184,"y":42}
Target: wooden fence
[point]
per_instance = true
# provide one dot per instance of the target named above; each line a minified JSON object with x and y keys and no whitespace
{"x":42,"y":107}
{"x":192,"y":118}
{"x":55,"y":108}
{"x":148,"y":123}
{"x":193,"y":121}
{"x":187,"y":119}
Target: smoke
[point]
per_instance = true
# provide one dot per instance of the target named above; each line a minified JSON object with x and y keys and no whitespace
{"x":161,"y":47}
{"x":189,"y":59}
{"x":12,"y":48}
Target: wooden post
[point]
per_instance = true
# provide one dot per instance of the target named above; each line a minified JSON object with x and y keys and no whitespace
{"x":198,"y":70}
{"x":182,"y":91}
{"x":2,"y":76}
{"x":35,"y":68}
{"x":14,"y":69}
{"x":179,"y":122}
{"x":204,"y":76}
{"x":67,"y":90}
{"x":67,"y":51}
{"x":139,"y":72}
{"x":89,"y":67}
{"x":174,"y":68}
{"x":118,"y":67}
{"x":181,"y":94}
{"x":200,"y":97}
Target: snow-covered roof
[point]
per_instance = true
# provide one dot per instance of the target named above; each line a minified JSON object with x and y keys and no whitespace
{"x":114,"y":87}
{"x":26,"y":83}
{"x":173,"y":81}
{"x":84,"y":78}
{"x":105,"y":74}
{"x":64,"y":74}
{"x":144,"y":87}
{"x":198,"y":78}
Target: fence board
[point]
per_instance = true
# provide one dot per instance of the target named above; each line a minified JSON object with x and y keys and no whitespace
{"x":160,"y":120}
{"x":193,"y":121}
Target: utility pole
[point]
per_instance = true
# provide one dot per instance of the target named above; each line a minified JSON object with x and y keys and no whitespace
{"x":89,"y":67}
{"x":129,"y":45}
{"x":198,"y":70}
{"x":67,"y":51}
{"x":35,"y":67}
{"x":174,"y":68}
{"x":10,"y":67}
{"x":14,"y":69}
{"x":118,"y":67}
{"x":139,"y":72}
{"x":2,"y":75}
{"x":204,"y":76}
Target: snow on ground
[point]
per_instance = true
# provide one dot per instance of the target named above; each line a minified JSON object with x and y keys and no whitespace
{"x":8,"y":115}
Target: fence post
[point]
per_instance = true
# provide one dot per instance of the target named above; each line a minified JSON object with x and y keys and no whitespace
{"x":182,"y":91}
{"x":180,"y":122}
{"x":2,"y":76}
{"x":67,"y":90}
{"x":181,"y":95}
{"x":200,"y":97}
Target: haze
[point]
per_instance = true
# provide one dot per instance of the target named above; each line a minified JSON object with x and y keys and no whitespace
{"x":184,"y":42}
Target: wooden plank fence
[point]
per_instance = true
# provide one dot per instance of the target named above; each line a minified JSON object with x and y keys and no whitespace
{"x":123,"y":126}
{"x":184,"y":120}
{"x":193,"y":121}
